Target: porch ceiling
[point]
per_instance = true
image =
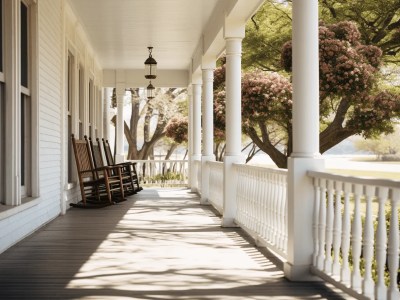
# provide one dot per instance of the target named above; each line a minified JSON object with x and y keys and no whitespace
{"x":121,"y":30}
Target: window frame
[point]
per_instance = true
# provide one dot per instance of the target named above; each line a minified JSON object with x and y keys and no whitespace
{"x":14,"y":93}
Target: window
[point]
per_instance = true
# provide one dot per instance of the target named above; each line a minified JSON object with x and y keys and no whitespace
{"x":81,"y":102}
{"x":70,"y":99}
{"x":91,"y":110}
{"x":1,"y":36}
{"x":25,"y":103}
{"x":2,"y":146}
{"x":18,"y":102}
{"x":2,"y":109}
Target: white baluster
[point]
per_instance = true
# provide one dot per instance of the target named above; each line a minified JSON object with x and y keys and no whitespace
{"x":322,"y":225}
{"x":356,"y":239}
{"x":253,"y":201}
{"x":259,"y":198}
{"x":368,"y":244}
{"x":269,"y":214}
{"x":345,"y":272}
{"x":274,"y":210}
{"x":281,"y":212}
{"x":329,"y":229}
{"x":285,"y":211}
{"x":337,"y":229}
{"x":317,"y":195}
{"x":380,"y":251}
{"x":239,"y":202}
{"x":393,"y":247}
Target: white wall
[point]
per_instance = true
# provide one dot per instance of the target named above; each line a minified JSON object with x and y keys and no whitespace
{"x":19,"y":221}
{"x":56,"y":29}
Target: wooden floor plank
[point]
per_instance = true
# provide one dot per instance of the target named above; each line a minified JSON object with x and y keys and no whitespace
{"x":160,"y":244}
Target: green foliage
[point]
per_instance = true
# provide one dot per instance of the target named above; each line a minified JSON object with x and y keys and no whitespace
{"x":168,"y":178}
{"x":266,"y":32}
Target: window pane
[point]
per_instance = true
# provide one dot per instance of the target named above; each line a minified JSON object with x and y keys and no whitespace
{"x":2,"y":137}
{"x":24,"y":45}
{"x":23,"y":124}
{"x":26,"y":153}
{"x":70,"y":158}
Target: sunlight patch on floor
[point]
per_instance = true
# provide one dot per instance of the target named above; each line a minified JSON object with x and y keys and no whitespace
{"x":172,"y":248}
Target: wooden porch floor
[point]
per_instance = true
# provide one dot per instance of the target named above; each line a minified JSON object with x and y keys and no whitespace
{"x":160,"y":244}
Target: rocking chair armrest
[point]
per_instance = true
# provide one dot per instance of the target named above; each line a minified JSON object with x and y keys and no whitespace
{"x":126,"y":163}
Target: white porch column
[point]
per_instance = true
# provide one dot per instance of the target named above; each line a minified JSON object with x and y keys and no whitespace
{"x":208,"y":130}
{"x":106,"y":112}
{"x":305,"y":154}
{"x":233,"y":127}
{"x":196,"y":131}
{"x":190,"y":138}
{"x":120,"y":92}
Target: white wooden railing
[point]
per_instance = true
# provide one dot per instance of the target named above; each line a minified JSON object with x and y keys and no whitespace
{"x":353,"y":248}
{"x":162,"y":172}
{"x":262,"y":205}
{"x":216,"y":184}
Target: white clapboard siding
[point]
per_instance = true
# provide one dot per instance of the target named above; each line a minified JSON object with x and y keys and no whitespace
{"x":18,"y":222}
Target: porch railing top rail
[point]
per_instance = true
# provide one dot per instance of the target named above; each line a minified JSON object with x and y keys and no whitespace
{"x":261,"y":168}
{"x":390,"y":183}
{"x":157,"y":160}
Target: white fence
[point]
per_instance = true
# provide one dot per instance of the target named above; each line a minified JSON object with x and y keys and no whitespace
{"x":356,"y":234}
{"x":162,"y":172}
{"x":262,"y":205}
{"x":216,"y":181}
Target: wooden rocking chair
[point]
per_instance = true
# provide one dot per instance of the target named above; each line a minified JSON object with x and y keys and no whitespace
{"x":98,"y":186}
{"x":128,"y":166}
{"x":127,"y":180}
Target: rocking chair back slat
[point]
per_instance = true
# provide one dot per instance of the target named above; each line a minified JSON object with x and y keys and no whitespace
{"x":83,"y":158}
{"x":107,"y":151}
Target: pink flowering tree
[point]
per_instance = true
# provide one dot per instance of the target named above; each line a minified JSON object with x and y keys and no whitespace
{"x":177,"y":131}
{"x":351,"y":101}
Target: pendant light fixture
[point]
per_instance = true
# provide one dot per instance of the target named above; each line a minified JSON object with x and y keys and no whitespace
{"x":150,"y":91}
{"x":150,"y":66}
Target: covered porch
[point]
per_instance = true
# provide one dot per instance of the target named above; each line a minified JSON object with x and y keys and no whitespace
{"x":160,"y":244}
{"x":168,"y":244}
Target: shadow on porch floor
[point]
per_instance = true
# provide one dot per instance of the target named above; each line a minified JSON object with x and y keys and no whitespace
{"x":160,"y":244}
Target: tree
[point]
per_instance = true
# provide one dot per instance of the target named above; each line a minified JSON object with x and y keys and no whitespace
{"x":177,"y":132}
{"x":350,"y":100}
{"x":266,"y":32}
{"x":378,"y":22}
{"x":150,"y":118}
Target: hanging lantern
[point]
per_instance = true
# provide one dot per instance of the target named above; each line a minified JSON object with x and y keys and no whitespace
{"x":150,"y":91}
{"x":150,"y":66}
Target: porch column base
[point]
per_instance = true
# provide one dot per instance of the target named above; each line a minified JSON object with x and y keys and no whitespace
{"x":229,"y":190}
{"x":205,"y":178}
{"x":228,"y":222}
{"x":119,"y":158}
{"x":194,"y":181}
{"x":300,"y":209}
{"x":299,"y":272}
